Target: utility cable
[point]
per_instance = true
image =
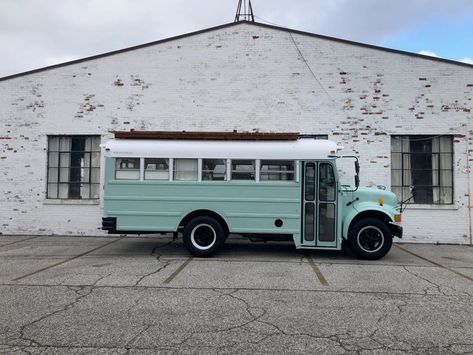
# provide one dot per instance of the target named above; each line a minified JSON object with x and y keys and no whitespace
{"x":301,"y":56}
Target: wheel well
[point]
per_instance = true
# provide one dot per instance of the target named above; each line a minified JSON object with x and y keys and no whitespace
{"x":208,"y":213}
{"x":370,"y":214}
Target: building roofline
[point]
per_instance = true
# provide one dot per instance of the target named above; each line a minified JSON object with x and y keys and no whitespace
{"x":371,"y":46}
{"x":127,"y":49}
{"x":144,"y":45}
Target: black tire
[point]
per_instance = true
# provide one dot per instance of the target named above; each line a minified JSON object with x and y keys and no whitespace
{"x":370,"y":239}
{"x":203,"y":236}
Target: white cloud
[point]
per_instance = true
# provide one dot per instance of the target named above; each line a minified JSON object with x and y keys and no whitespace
{"x":467,"y":60}
{"x":428,"y":53}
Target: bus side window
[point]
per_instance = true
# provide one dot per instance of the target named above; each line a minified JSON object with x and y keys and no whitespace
{"x":127,"y":169}
{"x":156,"y":169}
{"x":277,"y":170}
{"x":243,"y":169}
{"x":214,"y":169}
{"x":185,"y":169}
{"x":326,"y":182}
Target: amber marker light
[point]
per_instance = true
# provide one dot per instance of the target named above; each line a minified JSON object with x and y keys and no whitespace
{"x":397,"y":218}
{"x":380,"y":201}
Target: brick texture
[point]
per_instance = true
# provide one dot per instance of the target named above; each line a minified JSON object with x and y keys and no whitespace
{"x":245,"y":78}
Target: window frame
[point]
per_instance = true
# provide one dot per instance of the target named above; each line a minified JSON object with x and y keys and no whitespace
{"x":167,"y":160}
{"x":228,"y":163}
{"x":430,"y":188}
{"x":91,"y":167}
{"x":281,"y":172}
{"x":134,"y":169}
{"x":255,"y":172}
{"x":195,"y":178}
{"x":202,"y":170}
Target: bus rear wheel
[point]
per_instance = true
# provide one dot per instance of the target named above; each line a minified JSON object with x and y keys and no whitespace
{"x":203,"y":236}
{"x":370,"y":239}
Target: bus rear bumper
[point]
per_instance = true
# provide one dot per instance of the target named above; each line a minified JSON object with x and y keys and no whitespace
{"x":395,"y":230}
{"x":109,"y":224}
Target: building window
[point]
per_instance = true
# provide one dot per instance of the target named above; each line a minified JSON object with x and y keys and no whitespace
{"x":73,"y":167}
{"x":425,"y":162}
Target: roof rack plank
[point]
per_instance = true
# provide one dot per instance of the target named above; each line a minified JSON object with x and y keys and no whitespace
{"x":224,"y":136}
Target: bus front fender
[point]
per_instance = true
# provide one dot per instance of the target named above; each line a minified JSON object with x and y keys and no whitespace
{"x":363,"y":210}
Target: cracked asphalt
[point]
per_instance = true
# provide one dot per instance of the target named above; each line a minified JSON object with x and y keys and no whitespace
{"x":145,"y":295}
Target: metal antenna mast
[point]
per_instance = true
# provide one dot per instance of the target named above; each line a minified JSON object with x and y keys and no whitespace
{"x":247,"y":14}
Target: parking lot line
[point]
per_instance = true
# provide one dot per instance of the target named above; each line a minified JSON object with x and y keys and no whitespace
{"x":19,"y":241}
{"x":435,"y":263}
{"x":317,"y":271}
{"x":178,"y":270}
{"x":67,"y":260}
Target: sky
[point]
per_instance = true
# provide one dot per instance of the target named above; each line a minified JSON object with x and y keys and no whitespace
{"x":37,"y":33}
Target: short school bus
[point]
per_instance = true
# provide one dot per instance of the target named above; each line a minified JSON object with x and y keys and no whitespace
{"x":274,"y":190}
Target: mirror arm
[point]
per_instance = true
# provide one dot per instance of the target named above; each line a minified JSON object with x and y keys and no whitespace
{"x":412,"y":188}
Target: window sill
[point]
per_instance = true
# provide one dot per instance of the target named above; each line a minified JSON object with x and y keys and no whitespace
{"x":432,"y":207}
{"x":71,"y":202}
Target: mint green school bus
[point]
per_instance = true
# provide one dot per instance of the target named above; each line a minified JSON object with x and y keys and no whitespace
{"x":268,"y":190}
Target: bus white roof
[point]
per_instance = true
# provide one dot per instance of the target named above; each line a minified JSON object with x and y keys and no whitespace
{"x":305,"y":148}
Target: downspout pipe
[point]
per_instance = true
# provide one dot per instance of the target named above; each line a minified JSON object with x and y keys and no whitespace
{"x":469,"y":152}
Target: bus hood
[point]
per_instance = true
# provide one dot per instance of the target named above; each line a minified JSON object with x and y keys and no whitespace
{"x":369,"y":194}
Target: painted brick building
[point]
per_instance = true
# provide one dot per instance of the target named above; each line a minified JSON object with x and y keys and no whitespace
{"x":408,"y":117}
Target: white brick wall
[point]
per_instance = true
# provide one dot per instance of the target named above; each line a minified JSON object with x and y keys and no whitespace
{"x":243,"y":78}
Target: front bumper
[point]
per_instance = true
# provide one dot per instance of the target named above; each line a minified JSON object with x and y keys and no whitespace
{"x":396,"y":230}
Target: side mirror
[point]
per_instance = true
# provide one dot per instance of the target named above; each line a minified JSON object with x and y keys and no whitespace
{"x":412,"y":190}
{"x":357,"y":167}
{"x":357,"y":181}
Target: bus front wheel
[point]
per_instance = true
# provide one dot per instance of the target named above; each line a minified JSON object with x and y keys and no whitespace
{"x":370,"y":239}
{"x":203,"y":236}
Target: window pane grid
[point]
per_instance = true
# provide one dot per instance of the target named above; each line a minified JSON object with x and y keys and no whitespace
{"x":73,"y":167}
{"x":425,"y":162}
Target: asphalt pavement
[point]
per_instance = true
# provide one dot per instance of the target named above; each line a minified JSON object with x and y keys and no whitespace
{"x":144,"y":295}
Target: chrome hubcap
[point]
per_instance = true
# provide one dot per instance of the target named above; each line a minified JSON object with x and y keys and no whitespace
{"x":203,"y":236}
{"x":370,"y":239}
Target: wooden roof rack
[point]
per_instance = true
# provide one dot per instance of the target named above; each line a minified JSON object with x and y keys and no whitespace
{"x":221,"y":136}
